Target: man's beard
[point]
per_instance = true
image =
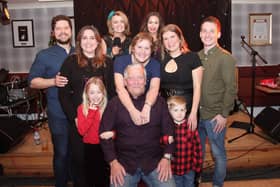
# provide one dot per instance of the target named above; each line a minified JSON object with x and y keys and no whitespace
{"x":63,"y":42}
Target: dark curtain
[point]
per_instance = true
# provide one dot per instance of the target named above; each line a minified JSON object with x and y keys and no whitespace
{"x":187,"y":14}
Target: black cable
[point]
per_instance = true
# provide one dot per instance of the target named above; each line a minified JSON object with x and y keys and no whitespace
{"x":250,"y":173}
{"x":239,"y":156}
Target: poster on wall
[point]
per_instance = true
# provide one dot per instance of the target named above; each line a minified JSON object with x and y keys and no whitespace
{"x":260,"y":29}
{"x":22,"y":32}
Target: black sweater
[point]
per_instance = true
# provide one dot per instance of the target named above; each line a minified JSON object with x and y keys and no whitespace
{"x":70,"y":96}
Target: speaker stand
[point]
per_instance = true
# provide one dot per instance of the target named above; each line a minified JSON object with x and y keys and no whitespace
{"x":249,"y":130}
{"x":250,"y":127}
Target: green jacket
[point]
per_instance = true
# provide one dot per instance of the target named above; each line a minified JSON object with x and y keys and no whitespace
{"x":219,"y":83}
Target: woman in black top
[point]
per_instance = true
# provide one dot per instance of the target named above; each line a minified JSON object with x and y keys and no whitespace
{"x":87,"y":61}
{"x":117,"y":41}
{"x":181,"y":70}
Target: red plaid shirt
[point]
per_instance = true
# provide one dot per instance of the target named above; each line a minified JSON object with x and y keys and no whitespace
{"x":188,"y":154}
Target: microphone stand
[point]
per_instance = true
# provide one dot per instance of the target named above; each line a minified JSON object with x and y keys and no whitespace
{"x":250,"y":127}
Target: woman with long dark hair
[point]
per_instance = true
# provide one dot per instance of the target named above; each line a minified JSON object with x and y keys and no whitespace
{"x":152,"y":24}
{"x":87,"y":61}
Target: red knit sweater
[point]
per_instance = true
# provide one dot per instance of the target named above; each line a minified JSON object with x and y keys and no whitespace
{"x":88,"y":126}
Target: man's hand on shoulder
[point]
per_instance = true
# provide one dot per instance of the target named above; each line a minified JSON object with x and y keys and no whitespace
{"x":60,"y":81}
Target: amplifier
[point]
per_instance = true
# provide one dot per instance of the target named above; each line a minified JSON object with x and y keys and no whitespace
{"x":17,"y":93}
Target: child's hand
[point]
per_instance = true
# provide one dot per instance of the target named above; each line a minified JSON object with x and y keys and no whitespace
{"x":166,"y":139}
{"x":107,"y":135}
{"x":76,"y":122}
{"x":170,"y":139}
{"x":92,"y":106}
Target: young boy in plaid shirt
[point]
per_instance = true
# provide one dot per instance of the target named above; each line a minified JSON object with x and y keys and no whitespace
{"x":187,"y":159}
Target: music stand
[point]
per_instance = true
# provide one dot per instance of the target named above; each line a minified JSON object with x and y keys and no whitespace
{"x":250,"y":127}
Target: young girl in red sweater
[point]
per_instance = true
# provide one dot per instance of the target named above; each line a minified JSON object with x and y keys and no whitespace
{"x":88,"y":120}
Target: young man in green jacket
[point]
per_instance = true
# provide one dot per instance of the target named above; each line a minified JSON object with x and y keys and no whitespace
{"x":217,"y":94}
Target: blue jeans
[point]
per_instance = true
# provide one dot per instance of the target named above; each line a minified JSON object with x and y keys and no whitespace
{"x":61,"y":158}
{"x":186,"y":180}
{"x":151,"y":180}
{"x":217,"y":145}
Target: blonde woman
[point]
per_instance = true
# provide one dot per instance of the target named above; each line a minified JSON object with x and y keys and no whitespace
{"x":117,"y":40}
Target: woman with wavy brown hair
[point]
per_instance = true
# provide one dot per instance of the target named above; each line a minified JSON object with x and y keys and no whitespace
{"x":87,"y":61}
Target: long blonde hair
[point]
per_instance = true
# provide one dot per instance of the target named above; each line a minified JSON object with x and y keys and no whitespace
{"x":125,"y":19}
{"x":96,"y":81}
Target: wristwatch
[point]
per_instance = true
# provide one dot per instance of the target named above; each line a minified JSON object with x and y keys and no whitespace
{"x":167,"y":156}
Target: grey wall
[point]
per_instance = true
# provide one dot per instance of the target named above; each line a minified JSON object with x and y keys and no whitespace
{"x":240,"y":26}
{"x":20,"y":59}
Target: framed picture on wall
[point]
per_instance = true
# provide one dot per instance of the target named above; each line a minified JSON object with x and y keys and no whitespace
{"x":73,"y":29}
{"x":22,"y":32}
{"x":260,"y":29}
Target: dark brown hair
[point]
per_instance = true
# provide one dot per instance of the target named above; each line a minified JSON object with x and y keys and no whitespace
{"x":59,"y":18}
{"x":99,"y":58}
{"x":144,"y":26}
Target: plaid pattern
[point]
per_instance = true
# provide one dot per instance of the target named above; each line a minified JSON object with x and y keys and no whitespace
{"x":188,"y":154}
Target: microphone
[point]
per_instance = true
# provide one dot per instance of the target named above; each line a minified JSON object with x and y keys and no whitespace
{"x":117,"y":42}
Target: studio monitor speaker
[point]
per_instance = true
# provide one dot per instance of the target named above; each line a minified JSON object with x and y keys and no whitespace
{"x":12,"y":131}
{"x":269,"y":121}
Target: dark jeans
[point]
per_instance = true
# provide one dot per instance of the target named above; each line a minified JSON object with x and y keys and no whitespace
{"x":59,"y":132}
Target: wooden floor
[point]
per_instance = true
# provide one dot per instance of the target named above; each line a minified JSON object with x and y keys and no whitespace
{"x":248,"y":183}
{"x":248,"y":152}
